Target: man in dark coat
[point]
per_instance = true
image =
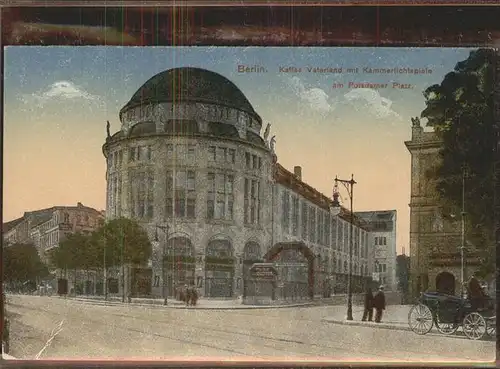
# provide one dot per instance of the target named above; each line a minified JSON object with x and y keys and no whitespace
{"x":379,"y":304}
{"x":368,"y":312}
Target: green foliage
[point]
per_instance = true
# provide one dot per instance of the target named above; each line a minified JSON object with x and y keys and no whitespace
{"x":21,"y":262}
{"x":80,"y":251}
{"x":127,"y":237}
{"x":460,"y":110}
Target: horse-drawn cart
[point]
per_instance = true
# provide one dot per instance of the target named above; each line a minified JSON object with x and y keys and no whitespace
{"x":476,"y":316}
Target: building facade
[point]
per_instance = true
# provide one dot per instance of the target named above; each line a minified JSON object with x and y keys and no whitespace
{"x":435,"y":235}
{"x":45,"y":228}
{"x":382,"y":239}
{"x":192,"y":168}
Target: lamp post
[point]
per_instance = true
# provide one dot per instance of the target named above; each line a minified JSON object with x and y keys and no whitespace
{"x":166,"y":230}
{"x":122,"y":251}
{"x":335,"y":208}
{"x":105,"y":282}
{"x":462,"y":246}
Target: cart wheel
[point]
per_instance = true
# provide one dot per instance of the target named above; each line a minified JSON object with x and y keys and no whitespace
{"x":474,"y":326}
{"x":420,"y":319}
{"x":491,"y":329}
{"x":446,"y":328}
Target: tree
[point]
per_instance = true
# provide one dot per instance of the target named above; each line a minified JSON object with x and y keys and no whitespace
{"x":125,"y":237}
{"x":460,"y":110}
{"x":403,"y":275}
{"x":21,"y":263}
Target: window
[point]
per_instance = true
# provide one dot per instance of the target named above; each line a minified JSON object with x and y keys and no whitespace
{"x":211,"y":153}
{"x":191,"y":153}
{"x":180,"y":194}
{"x":221,"y":154}
{"x":132,"y":154}
{"x":334,"y":233}
{"x":248,"y":159}
{"x":304,"y":220}
{"x":326,"y":231}
{"x":285,"y":211}
{"x":255,"y":162}
{"x":170,"y":150}
{"x":141,"y":194}
{"x":252,"y":201}
{"x":312,"y":224}
{"x":385,"y":240}
{"x":220,"y":196}
{"x":295,"y":215}
{"x":376,"y":241}
{"x":384,"y":268}
{"x":66,"y":218}
{"x":320,"y":228}
{"x":231,"y":155}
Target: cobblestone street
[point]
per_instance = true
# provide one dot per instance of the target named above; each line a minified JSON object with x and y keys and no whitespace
{"x":53,"y":328}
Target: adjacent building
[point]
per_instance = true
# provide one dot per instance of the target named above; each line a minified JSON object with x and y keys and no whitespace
{"x":382,"y":239}
{"x":190,"y":164}
{"x":45,"y":228}
{"x":435,"y":235}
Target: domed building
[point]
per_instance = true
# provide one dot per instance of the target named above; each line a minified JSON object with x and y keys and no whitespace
{"x":189,"y":164}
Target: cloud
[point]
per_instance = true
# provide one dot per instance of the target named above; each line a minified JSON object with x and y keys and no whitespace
{"x":316,"y":98}
{"x":367,"y":99}
{"x":62,"y":90}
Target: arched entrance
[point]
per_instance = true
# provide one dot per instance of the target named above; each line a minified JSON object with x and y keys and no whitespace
{"x":274,"y":253}
{"x":179,"y":264}
{"x":219,"y":268}
{"x":445,"y":283}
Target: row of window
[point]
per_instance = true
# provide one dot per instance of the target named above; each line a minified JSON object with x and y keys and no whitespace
{"x":217,"y":154}
{"x":318,"y":226}
{"x":210,"y":111}
{"x":49,"y":240}
{"x":381,"y":268}
{"x":181,"y":195}
{"x":380,"y":241}
{"x":140,"y":153}
{"x":221,"y":154}
{"x":253,"y":161}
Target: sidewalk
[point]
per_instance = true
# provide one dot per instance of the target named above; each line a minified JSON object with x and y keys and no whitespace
{"x":206,"y":304}
{"x":394,"y":317}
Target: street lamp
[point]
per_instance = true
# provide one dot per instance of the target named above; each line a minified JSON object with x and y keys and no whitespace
{"x":335,"y":209}
{"x":462,"y":247}
{"x":166,"y":230}
{"x":463,"y":240}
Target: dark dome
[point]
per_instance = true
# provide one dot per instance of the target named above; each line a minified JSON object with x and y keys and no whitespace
{"x":191,"y":84}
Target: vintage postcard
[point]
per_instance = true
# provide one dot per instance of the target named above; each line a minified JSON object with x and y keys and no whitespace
{"x":249,"y":203}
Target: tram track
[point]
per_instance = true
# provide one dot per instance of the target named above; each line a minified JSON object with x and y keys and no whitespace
{"x":229,"y":333}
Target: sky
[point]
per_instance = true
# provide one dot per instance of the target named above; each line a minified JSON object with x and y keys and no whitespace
{"x":57,"y":101}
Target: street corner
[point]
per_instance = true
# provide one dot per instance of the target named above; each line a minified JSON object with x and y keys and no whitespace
{"x":390,"y":325}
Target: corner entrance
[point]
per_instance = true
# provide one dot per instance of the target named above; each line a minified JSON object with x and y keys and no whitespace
{"x":275,"y":254}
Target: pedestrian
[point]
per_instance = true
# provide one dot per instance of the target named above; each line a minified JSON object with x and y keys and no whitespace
{"x":194,"y":295}
{"x":379,"y":304}
{"x":368,"y":312}
{"x":187,"y":294}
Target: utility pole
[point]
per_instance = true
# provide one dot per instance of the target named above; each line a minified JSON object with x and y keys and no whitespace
{"x":462,"y":247}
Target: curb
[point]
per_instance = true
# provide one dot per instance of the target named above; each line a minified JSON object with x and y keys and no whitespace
{"x":182,"y":306}
{"x":368,"y":324}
